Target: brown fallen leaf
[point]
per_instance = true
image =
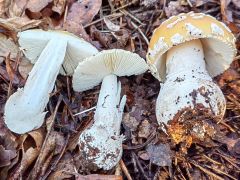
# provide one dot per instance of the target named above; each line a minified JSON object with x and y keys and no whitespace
{"x":3,"y":7}
{"x":30,"y":148}
{"x":236,"y":3}
{"x":104,"y":39}
{"x":65,"y":168}
{"x":110,"y":25}
{"x":76,"y":29}
{"x":10,"y":70}
{"x":7,"y":47}
{"x":160,"y":154}
{"x":59,"y":6}
{"x":24,"y":68}
{"x":174,"y":8}
{"x":37,"y":5}
{"x":17,"y":8}
{"x":17,"y":24}
{"x":145,"y":129}
{"x":6,"y":156}
{"x":130,"y":122}
{"x":83,"y":12}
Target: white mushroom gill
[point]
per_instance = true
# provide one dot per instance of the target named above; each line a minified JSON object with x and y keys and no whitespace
{"x":188,"y":84}
{"x":24,"y":109}
{"x":103,"y":139}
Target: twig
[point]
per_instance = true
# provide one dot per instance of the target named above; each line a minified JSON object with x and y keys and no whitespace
{"x":115,"y":15}
{"x":139,"y":165}
{"x":56,"y":162}
{"x":207,"y":171}
{"x":125,"y":170}
{"x":34,"y":173}
{"x":87,"y":110}
{"x":125,"y":12}
{"x":221,"y":172}
{"x":140,"y":31}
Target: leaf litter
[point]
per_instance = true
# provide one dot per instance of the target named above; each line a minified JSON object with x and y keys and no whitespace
{"x":51,"y":152}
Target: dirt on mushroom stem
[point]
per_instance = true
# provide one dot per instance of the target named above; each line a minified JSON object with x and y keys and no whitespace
{"x":192,"y":126}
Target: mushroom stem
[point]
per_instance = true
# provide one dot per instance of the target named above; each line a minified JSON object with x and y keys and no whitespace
{"x":108,"y":102}
{"x":188,"y":83}
{"x":27,"y":104}
{"x":103,"y":136}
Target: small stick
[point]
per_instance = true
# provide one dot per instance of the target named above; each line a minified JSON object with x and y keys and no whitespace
{"x":115,"y":15}
{"x":87,"y":110}
{"x":125,"y":12}
{"x":207,"y":171}
{"x":140,"y":31}
{"x":125,"y":170}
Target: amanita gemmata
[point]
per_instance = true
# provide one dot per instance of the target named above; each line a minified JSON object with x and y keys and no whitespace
{"x":185,"y":53}
{"x":101,"y":144}
{"x":52,"y":52}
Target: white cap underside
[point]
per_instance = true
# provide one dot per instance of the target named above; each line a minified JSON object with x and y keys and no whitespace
{"x":91,"y":71}
{"x":34,"y":41}
{"x":218,"y":57}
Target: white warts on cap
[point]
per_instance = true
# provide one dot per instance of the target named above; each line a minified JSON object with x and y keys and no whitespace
{"x":193,"y":30}
{"x":216,"y":29}
{"x":158,"y":47}
{"x":177,"y":39}
{"x":179,"y":19}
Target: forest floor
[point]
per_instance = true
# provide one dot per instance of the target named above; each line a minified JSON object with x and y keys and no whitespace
{"x":51,"y":152}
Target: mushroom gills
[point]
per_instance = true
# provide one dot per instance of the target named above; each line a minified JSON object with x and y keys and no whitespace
{"x":188,"y":84}
{"x":24,"y":109}
{"x":104,"y":136}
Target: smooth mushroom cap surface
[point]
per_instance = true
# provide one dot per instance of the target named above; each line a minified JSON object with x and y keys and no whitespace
{"x":33,"y":42}
{"x":217,"y":39}
{"x":92,"y":70}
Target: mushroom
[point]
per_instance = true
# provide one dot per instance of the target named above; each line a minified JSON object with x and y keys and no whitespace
{"x":51,"y":51}
{"x":186,"y":52}
{"x":101,"y":144}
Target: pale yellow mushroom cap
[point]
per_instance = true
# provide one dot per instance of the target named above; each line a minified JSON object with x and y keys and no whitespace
{"x":217,"y":39}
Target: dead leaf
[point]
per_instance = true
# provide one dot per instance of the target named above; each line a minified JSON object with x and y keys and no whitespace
{"x":4,"y":4}
{"x":145,"y":129}
{"x":6,"y":156}
{"x":7,"y":46}
{"x":174,"y":8}
{"x":111,"y":26}
{"x":160,"y":154}
{"x":10,"y":71}
{"x":76,"y":29}
{"x":144,"y":155}
{"x":24,"y":68}
{"x":130,"y":122}
{"x":53,"y":146}
{"x":236,"y":3}
{"x":83,"y":12}
{"x":17,"y":24}
{"x":64,"y":168}
{"x":4,"y":74}
{"x":103,"y":38}
{"x":17,"y":8}
{"x":59,"y":6}
{"x":37,"y":5}
{"x":30,"y":146}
